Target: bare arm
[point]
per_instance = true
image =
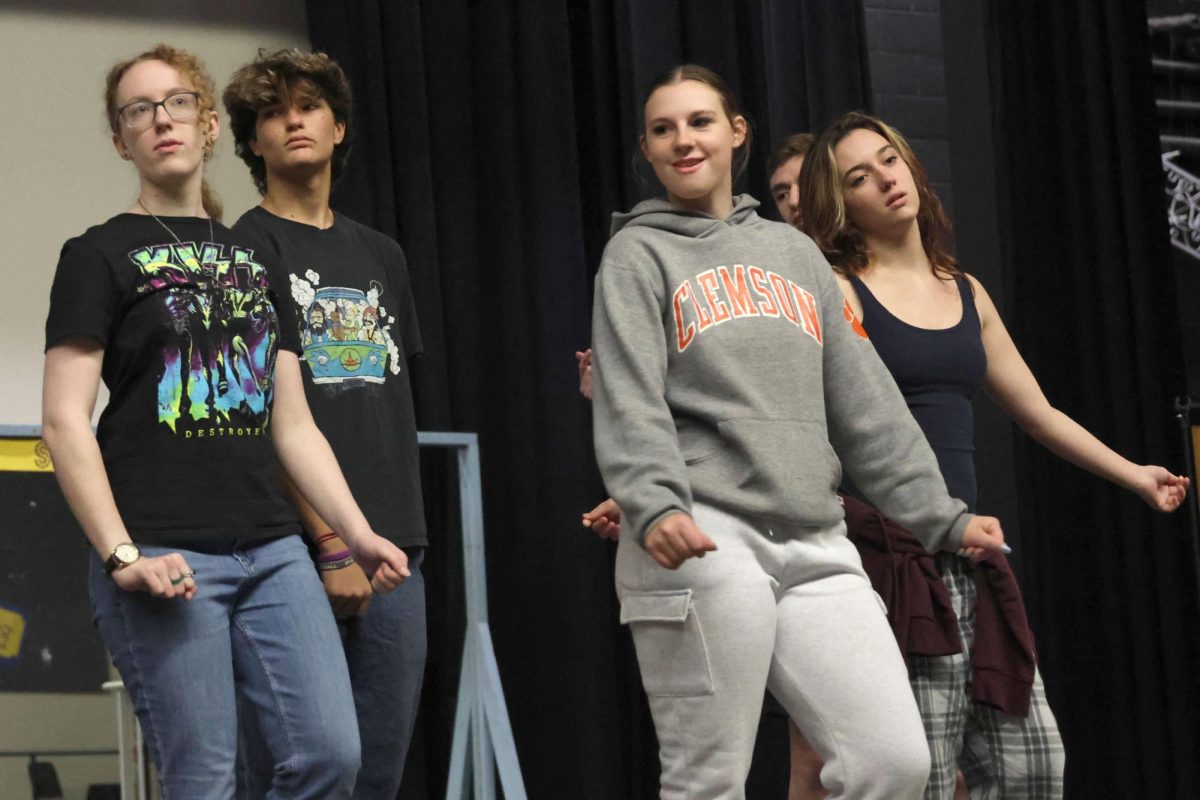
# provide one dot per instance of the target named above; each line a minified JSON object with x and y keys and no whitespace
{"x":348,"y":588}
{"x":70,"y":381}
{"x":1014,"y":388}
{"x":310,"y":463}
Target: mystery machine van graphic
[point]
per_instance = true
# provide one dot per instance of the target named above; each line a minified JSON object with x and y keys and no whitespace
{"x":341,"y":337}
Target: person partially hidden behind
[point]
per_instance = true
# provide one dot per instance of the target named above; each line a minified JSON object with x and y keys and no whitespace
{"x":349,"y":299}
{"x":201,"y":587}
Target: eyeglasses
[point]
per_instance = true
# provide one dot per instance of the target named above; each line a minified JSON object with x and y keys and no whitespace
{"x":181,"y":107}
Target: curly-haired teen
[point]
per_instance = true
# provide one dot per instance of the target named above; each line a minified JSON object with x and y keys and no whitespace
{"x":350,"y":300}
{"x":201,"y":587}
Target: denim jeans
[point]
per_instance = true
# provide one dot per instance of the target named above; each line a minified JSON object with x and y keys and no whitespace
{"x":258,"y":634}
{"x":385,"y":651}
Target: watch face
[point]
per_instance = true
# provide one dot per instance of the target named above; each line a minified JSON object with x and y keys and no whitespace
{"x":126,"y":553}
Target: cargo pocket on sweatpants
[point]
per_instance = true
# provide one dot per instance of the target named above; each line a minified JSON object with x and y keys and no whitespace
{"x":670,"y":643}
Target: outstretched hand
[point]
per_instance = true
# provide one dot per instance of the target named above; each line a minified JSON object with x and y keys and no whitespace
{"x":604,"y":519}
{"x":1161,"y":490}
{"x":383,"y":561}
{"x":675,"y":539}
{"x":982,"y":535}
{"x":583,"y":359}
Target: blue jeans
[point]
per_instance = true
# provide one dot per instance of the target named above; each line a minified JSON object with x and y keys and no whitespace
{"x":385,"y":651}
{"x":257,"y":634}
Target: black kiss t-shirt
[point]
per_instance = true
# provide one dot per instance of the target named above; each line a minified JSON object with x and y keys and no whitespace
{"x":346,"y":291}
{"x":190,"y":338}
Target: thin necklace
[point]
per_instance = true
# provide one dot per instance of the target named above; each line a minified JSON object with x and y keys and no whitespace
{"x":211,"y":237}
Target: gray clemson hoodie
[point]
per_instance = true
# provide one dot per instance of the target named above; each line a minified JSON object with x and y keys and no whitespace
{"x":728,"y":369}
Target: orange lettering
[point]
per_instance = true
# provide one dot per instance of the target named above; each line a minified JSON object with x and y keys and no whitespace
{"x":702,"y":314}
{"x":857,"y":326}
{"x":708,"y":285}
{"x":808,"y":311}
{"x":785,"y":299}
{"x":738,"y":291}
{"x":683,"y":333}
{"x":759,"y":279}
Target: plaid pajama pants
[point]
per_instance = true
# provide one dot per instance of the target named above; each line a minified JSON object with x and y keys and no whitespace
{"x":1003,"y":757}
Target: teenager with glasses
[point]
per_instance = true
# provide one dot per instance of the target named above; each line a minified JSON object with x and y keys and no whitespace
{"x":180,"y":106}
{"x":202,"y":590}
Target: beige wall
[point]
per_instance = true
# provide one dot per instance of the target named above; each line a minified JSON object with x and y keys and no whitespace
{"x":60,"y":175}
{"x":59,"y":171}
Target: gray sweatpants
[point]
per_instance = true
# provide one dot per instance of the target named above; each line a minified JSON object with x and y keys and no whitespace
{"x":789,"y":610}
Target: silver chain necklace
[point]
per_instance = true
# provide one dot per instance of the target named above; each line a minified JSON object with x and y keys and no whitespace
{"x":211,"y":237}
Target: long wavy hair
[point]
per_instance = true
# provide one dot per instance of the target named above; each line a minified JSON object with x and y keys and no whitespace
{"x":825,"y":218}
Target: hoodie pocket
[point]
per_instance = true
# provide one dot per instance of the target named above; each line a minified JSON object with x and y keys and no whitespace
{"x":773,"y":467}
{"x":669,"y":639}
{"x":698,"y":444}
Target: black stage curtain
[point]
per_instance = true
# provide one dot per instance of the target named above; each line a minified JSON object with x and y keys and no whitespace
{"x":494,"y":139}
{"x":1090,"y":298}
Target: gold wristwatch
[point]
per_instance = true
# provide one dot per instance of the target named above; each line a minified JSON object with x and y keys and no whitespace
{"x":122,"y":556}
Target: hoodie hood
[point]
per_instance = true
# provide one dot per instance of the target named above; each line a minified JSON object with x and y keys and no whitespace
{"x":726,"y":373}
{"x":660,"y":214}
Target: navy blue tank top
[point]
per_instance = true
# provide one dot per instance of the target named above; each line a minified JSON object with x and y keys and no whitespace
{"x":938,"y":372}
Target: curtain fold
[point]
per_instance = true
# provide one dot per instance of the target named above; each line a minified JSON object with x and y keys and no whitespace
{"x":1091,"y":304}
{"x":493,"y":139}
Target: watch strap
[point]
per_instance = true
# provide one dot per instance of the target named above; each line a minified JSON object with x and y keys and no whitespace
{"x":114,"y":562}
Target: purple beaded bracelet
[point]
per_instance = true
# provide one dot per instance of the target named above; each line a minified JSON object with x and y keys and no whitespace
{"x":329,"y":558}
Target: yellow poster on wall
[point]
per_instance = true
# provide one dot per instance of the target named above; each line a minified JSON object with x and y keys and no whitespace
{"x":24,"y":455}
{"x":12,"y":629}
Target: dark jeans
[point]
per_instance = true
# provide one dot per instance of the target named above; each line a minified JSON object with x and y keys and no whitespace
{"x":385,"y":653}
